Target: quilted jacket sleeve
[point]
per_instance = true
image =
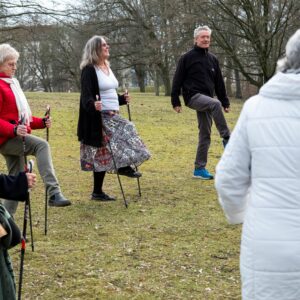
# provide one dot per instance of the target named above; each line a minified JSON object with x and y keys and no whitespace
{"x":37,"y":123}
{"x":14,"y":187}
{"x":232,"y":179}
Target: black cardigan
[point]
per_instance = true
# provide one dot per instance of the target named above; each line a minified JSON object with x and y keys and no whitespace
{"x":89,"y":130}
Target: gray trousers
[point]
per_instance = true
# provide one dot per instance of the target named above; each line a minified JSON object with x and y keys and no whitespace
{"x":12,"y":150}
{"x":208,"y":109}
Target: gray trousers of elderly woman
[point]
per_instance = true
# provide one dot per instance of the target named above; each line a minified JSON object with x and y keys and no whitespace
{"x":12,"y":150}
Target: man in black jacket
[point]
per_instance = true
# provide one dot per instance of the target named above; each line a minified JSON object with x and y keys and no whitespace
{"x":197,"y":77}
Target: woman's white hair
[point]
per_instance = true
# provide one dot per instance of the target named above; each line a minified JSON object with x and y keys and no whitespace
{"x":291,"y":62}
{"x":7,"y":52}
{"x":201,"y":28}
{"x":92,"y":51}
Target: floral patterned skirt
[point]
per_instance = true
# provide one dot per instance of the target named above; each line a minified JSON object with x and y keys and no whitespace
{"x":126,"y":146}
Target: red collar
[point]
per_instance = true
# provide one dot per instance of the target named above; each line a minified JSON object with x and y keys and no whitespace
{"x":4,"y":75}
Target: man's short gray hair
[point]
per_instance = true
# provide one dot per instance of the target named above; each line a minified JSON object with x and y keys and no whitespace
{"x":201,"y":28}
{"x":7,"y":52}
{"x":291,"y":61}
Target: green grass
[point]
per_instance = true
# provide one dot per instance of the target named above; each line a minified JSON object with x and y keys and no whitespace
{"x":171,"y":243}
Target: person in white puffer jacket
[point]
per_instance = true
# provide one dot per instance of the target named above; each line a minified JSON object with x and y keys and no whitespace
{"x":258,"y":183}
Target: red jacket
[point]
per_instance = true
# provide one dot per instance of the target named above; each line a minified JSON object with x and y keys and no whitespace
{"x":9,"y":115}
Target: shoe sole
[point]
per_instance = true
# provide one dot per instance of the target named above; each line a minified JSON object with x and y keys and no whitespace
{"x":55,"y":205}
{"x":103,"y":200}
{"x":130,"y":176}
{"x":203,"y":178}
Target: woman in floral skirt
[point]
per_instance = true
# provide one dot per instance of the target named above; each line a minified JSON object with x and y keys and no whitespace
{"x":100,"y":121}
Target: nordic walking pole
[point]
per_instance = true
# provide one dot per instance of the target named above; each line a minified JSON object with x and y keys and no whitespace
{"x":29,"y":168}
{"x":113,"y":158}
{"x":129,"y":117}
{"x":22,"y":122}
{"x":47,"y":115}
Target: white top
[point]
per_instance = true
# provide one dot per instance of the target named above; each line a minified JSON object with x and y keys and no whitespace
{"x":107,"y":86}
{"x":258,"y":181}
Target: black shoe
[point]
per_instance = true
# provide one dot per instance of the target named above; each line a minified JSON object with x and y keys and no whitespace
{"x":58,"y":200}
{"x":225,"y":141}
{"x":129,"y":172}
{"x":102,"y":197}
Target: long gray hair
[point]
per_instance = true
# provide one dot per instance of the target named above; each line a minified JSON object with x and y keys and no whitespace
{"x":92,"y":51}
{"x":291,"y":62}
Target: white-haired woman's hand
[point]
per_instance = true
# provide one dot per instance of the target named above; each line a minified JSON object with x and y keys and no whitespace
{"x":21,"y":130}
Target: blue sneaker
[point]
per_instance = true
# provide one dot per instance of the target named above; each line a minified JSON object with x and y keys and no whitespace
{"x":202,"y":174}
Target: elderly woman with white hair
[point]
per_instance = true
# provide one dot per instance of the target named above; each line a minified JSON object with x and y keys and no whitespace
{"x":99,"y":120}
{"x":258,"y":182}
{"x":14,"y":108}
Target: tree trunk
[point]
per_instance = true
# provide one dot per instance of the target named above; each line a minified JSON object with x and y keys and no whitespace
{"x":167,"y":84}
{"x":156,"y":82}
{"x":166,"y":80}
{"x":140,"y":76}
{"x":238,"y":91}
{"x":228,"y":74}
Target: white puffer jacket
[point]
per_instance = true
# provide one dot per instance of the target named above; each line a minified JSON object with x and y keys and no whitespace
{"x":258,"y":182}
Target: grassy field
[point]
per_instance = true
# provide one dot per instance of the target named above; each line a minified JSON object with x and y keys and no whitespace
{"x":171,"y":243}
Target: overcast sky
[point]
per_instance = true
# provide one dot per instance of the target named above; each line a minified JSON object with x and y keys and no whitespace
{"x":54,"y":4}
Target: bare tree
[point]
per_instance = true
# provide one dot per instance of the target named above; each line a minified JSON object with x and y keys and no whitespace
{"x":253,"y":33}
{"x":147,"y":38}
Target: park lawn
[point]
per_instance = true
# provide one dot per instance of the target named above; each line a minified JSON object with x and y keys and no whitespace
{"x":171,"y":243}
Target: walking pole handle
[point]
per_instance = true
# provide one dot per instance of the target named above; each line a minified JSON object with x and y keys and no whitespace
{"x":30,"y":165}
{"x":47,"y":113}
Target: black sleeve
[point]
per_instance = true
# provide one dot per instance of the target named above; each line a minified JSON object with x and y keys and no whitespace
{"x":220,"y":86}
{"x":14,"y":187}
{"x":88,"y":94}
{"x":122,"y":100}
{"x":177,"y":82}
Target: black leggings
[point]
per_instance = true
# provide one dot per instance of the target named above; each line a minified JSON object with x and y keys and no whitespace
{"x":98,"y":182}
